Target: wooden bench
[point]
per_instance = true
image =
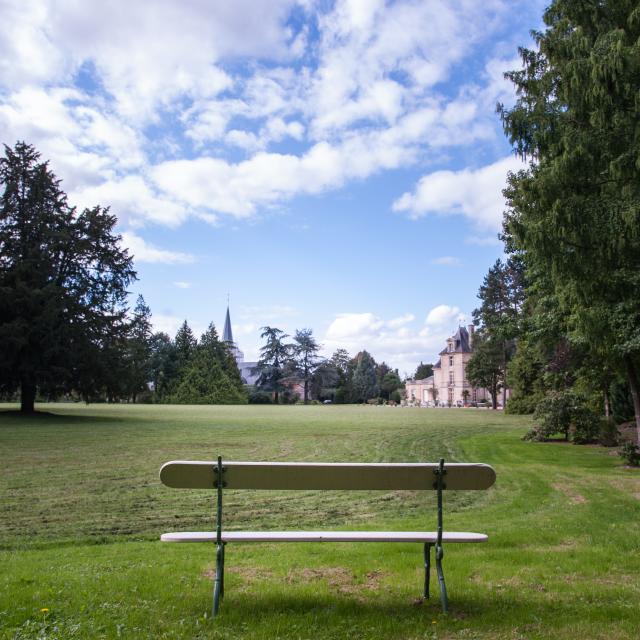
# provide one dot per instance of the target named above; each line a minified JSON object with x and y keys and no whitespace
{"x":327,"y":476}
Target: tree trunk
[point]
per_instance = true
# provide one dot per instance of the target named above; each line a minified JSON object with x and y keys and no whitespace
{"x":27,"y":397}
{"x":494,"y":397}
{"x":634,"y":383}
{"x":306,"y":391}
{"x":607,"y":409}
{"x":504,"y":375}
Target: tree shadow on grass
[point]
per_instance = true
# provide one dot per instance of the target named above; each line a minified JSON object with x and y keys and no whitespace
{"x":37,"y":418}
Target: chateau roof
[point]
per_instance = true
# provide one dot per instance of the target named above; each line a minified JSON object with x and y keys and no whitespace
{"x":460,"y":342}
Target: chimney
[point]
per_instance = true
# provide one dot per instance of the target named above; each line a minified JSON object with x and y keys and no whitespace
{"x":471,"y":329}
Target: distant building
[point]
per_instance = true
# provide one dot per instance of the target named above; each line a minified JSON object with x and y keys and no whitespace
{"x":246,"y":368}
{"x":449,"y":385}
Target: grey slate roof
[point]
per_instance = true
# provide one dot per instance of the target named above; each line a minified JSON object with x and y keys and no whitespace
{"x":460,"y":342}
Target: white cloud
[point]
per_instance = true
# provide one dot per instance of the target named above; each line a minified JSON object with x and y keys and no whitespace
{"x":447,"y":261}
{"x":145,"y":252}
{"x":395,"y":341}
{"x":474,"y":193}
{"x":361,"y":98}
{"x":443,"y":315}
{"x":182,"y":285}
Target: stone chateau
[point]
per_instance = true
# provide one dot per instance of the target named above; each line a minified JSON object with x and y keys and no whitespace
{"x":448,"y":386}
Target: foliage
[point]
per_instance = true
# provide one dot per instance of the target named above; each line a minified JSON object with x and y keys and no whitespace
{"x":275,"y":355}
{"x":423,"y":371}
{"x":163,"y":365}
{"x":574,"y":213}
{"x":365,"y":380}
{"x":342,"y":363}
{"x":564,"y":413}
{"x":500,"y":312}
{"x":63,"y":286}
{"x":211,"y":375}
{"x":526,"y":380}
{"x":305,"y":356}
{"x":139,"y":350}
{"x":630,"y":452}
{"x":259,"y":397}
{"x":608,"y":435}
{"x":485,"y":367}
{"x":390,"y":383}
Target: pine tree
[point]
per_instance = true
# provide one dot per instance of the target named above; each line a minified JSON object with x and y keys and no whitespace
{"x":575,"y":212}
{"x":365,"y":380}
{"x":63,"y":286}
{"x":274,"y":356}
{"x":305,"y":353}
{"x":139,"y":349}
{"x":211,"y":375}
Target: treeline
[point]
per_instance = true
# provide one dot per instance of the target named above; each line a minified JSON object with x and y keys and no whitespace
{"x":560,"y":320}
{"x":284,"y":366}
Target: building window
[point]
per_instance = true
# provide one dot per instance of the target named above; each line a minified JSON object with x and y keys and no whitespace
{"x":451,"y":361}
{"x":451,"y":380}
{"x":474,"y":395}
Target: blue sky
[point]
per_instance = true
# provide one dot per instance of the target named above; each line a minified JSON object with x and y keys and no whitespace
{"x":333,"y":165}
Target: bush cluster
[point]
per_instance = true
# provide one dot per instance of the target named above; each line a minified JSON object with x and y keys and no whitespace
{"x":565,"y":413}
{"x":631,"y":454}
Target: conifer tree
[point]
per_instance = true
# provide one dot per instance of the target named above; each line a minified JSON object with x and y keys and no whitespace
{"x":575,"y":211}
{"x":63,"y":285}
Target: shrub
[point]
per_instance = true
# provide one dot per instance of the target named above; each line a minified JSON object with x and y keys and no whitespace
{"x":631,"y":454}
{"x":567,"y":414}
{"x":608,"y":435}
{"x":395,"y":396}
{"x":522,"y":405}
{"x":585,"y":425}
{"x":259,"y":397}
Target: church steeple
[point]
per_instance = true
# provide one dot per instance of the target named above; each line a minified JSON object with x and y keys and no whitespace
{"x":227,"y":334}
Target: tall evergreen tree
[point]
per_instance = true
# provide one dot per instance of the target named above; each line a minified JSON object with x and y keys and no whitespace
{"x":365,"y":379}
{"x":305,"y":353}
{"x":274,"y":356}
{"x":63,"y":284}
{"x":211,"y":375}
{"x":163,"y":365}
{"x":502,"y":296}
{"x":575,"y":211}
{"x":139,"y":349}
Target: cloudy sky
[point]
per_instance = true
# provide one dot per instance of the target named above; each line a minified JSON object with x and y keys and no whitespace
{"x":331,"y":165}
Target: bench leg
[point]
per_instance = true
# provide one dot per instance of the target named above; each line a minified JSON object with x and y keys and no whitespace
{"x":427,"y":568}
{"x":218,"y":584}
{"x":443,"y":587}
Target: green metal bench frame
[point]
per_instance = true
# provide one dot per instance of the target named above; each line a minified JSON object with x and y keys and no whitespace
{"x":438,"y":485}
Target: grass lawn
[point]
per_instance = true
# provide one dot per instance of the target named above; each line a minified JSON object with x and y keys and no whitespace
{"x":81,"y":510}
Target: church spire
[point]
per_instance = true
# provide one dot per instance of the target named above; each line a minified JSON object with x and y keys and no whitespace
{"x":227,"y":334}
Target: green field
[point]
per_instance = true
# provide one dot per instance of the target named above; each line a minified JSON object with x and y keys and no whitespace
{"x":81,"y":509}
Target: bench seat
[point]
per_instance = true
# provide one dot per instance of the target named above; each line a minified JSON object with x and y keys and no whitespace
{"x":324,"y":536}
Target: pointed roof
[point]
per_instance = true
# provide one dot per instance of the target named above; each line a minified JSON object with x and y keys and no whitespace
{"x":227,"y":334}
{"x":460,"y":343}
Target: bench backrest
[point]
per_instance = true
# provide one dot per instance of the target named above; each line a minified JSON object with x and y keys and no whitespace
{"x":185,"y":474}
